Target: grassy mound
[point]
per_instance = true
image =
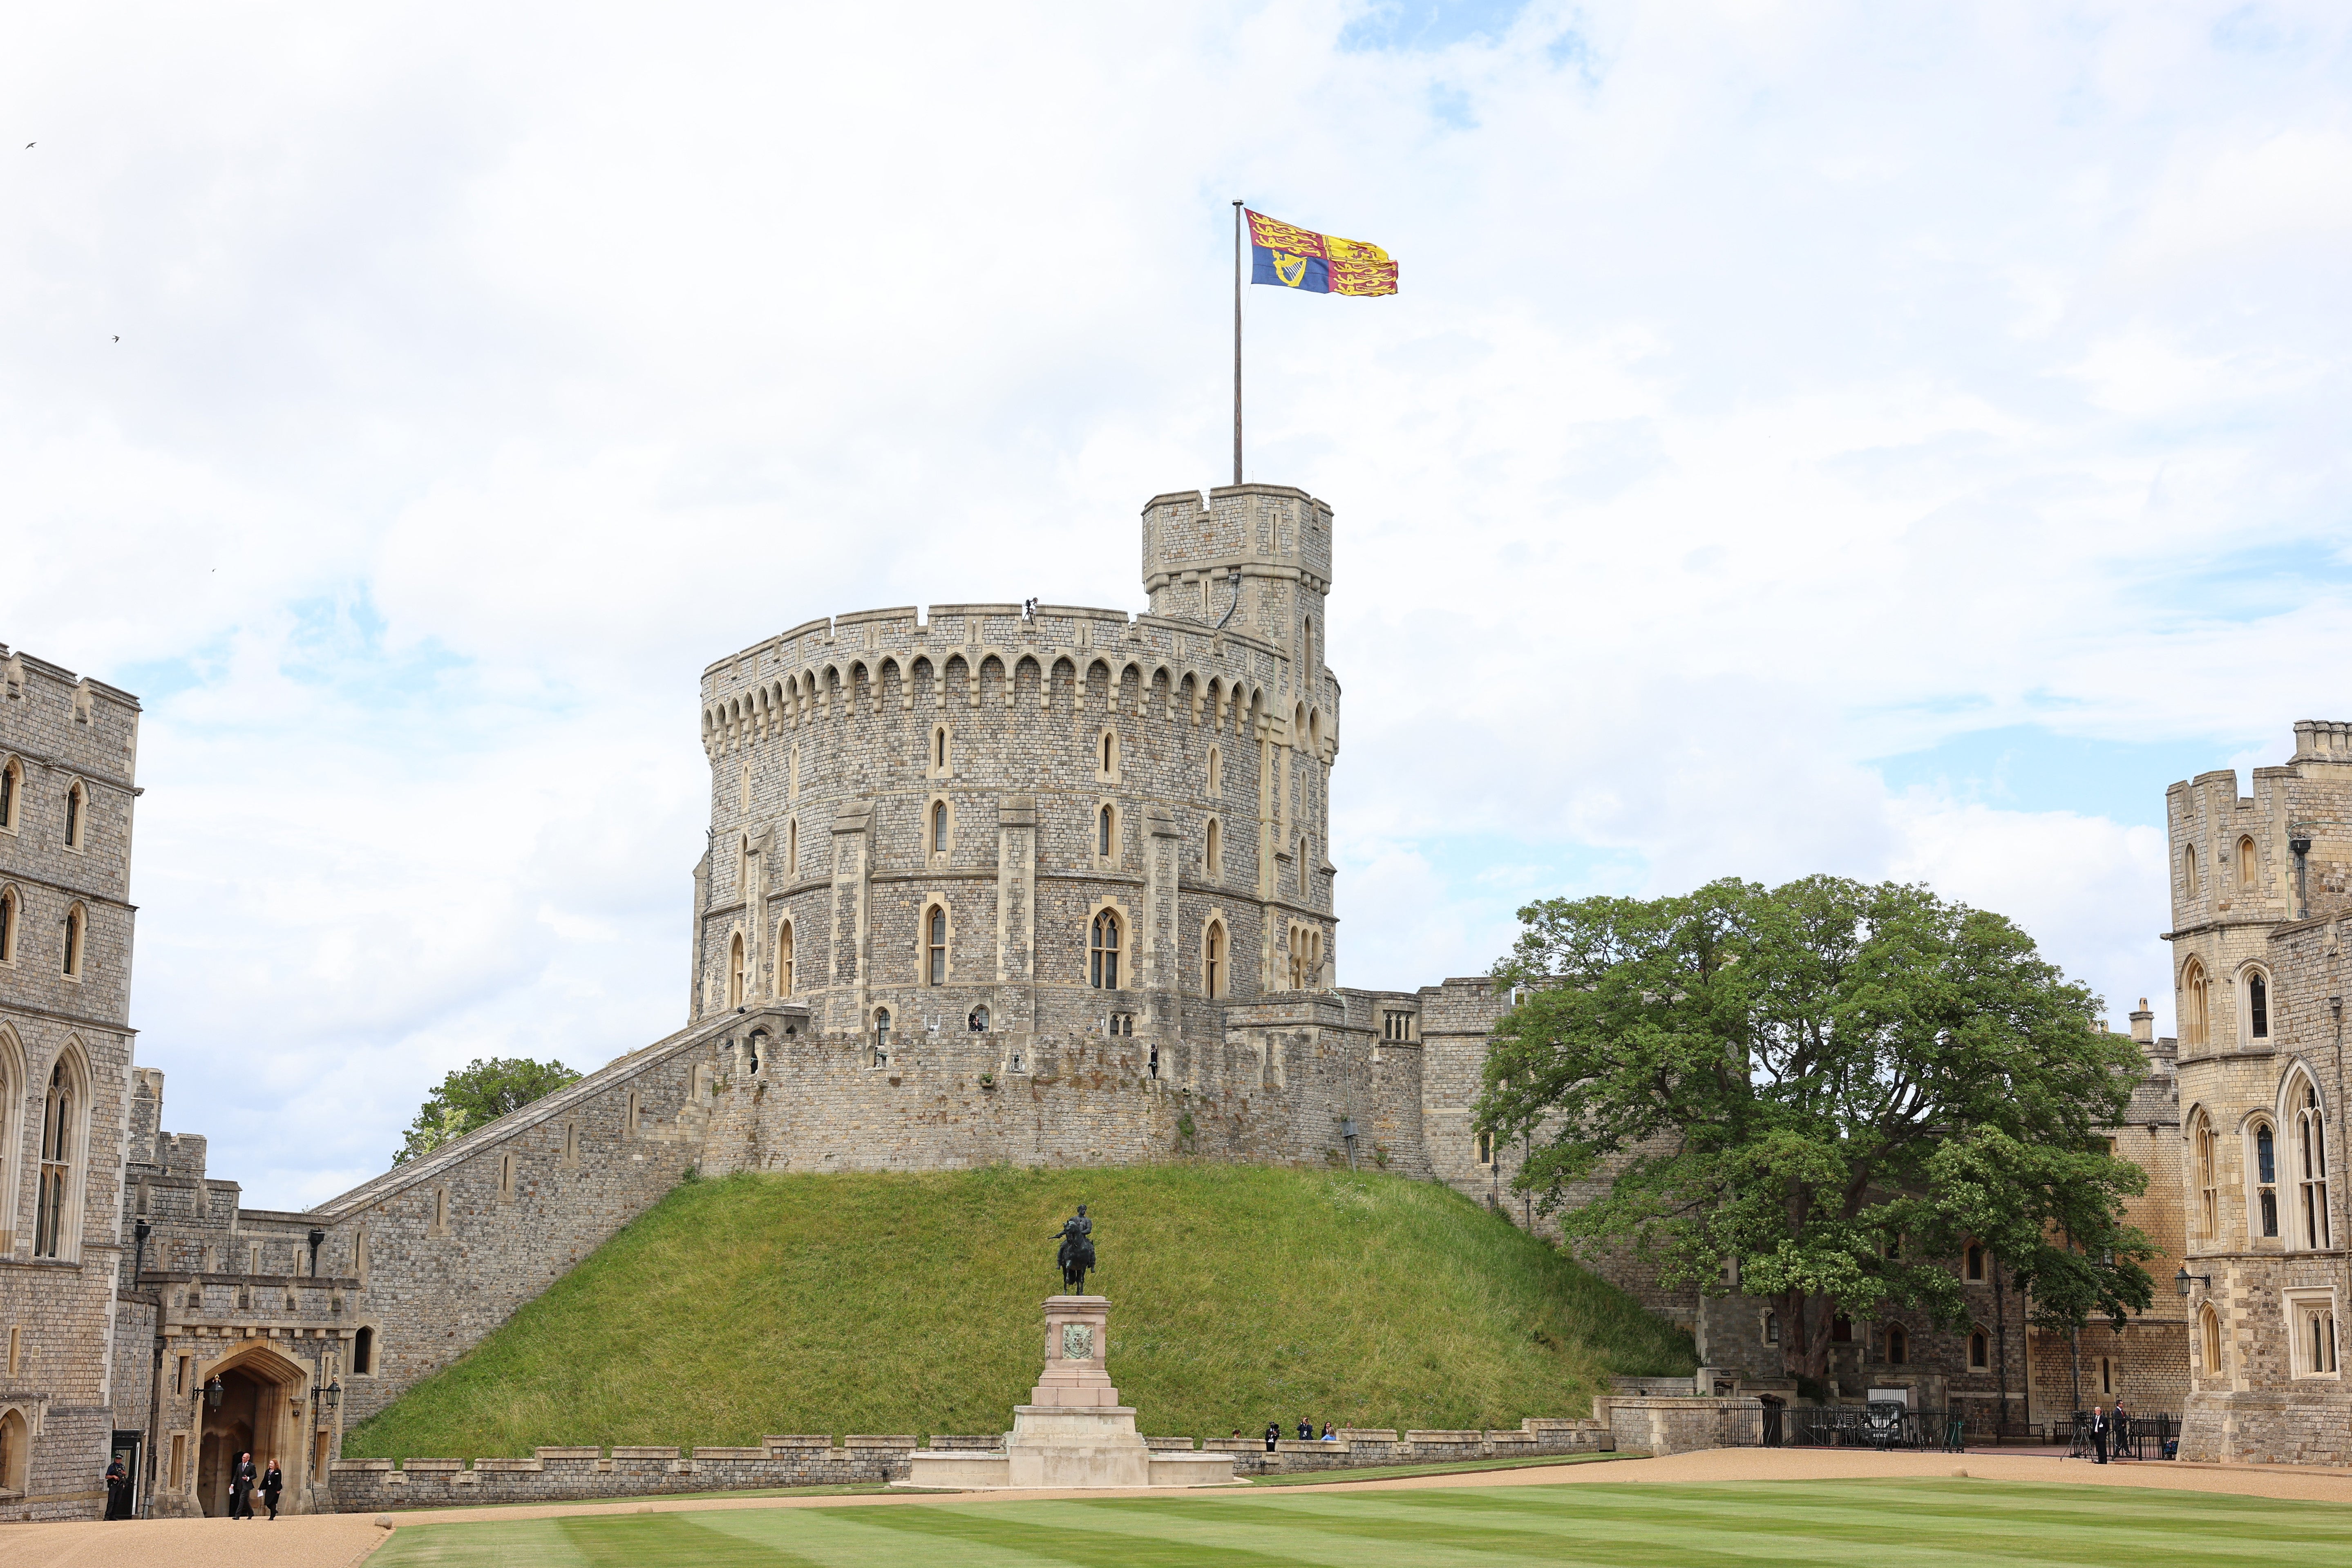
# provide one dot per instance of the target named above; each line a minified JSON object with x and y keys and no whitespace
{"x":911,"y":1304}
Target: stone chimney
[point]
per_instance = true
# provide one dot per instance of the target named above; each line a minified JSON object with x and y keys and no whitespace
{"x":2143,"y":1023}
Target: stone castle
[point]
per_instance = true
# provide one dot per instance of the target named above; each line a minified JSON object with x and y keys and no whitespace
{"x":1008,"y":882}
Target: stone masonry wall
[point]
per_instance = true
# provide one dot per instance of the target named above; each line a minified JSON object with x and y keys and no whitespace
{"x":68,"y":750}
{"x":564,"y":1475}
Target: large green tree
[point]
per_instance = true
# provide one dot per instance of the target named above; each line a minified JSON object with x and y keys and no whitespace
{"x":1835,"y":1085}
{"x":479,"y":1092}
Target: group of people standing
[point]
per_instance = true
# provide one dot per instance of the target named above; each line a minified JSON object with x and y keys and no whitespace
{"x":244,"y":1480}
{"x":1305,"y":1434}
{"x":2110,"y":1429}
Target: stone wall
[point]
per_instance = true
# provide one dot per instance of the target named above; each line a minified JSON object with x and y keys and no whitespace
{"x":565,"y":1475}
{"x":1661,"y":1427}
{"x":67,"y":744}
{"x":2262,"y":889}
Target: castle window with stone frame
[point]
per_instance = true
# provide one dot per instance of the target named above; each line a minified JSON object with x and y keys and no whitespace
{"x":12,"y":792}
{"x":76,"y":817}
{"x":1898,"y":1345}
{"x":2209,"y":1340}
{"x":1975,"y":1271}
{"x":939,"y":750}
{"x":630,"y":1113}
{"x":881,"y":1048}
{"x":2264,"y":1169}
{"x":56,"y":1219}
{"x":1102,"y":950}
{"x":793,"y":847}
{"x":440,"y":1211}
{"x":735,"y":971}
{"x":1106,"y":832}
{"x":1212,"y":852}
{"x":2196,"y":1004}
{"x":939,"y":827}
{"x":2311,"y":1163}
{"x":363,"y":1353}
{"x":10,"y":921}
{"x":506,"y":1178}
{"x":1979,"y":1349}
{"x":1216,"y":771}
{"x":1214,"y":961}
{"x":1106,"y":757}
{"x":2204,"y":1151}
{"x":1771,"y":1328}
{"x":2255,"y":985}
{"x":1483,"y":1148}
{"x":784,"y":959}
{"x":76,"y":941}
{"x":1396,"y":1025}
{"x":2311,"y":1331}
{"x":12,"y":1105}
{"x":2189,"y":869}
{"x":2246,"y":865}
{"x":935,"y":945}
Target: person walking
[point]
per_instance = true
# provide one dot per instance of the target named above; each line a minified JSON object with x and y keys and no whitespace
{"x":240,"y":1488}
{"x":2099,"y":1433}
{"x":117,"y":1490}
{"x":2119,"y":1431}
{"x":272,"y":1482}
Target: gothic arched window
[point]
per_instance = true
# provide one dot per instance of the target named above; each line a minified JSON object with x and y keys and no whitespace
{"x":735,"y":971}
{"x":2311,"y":1167}
{"x":784,"y":959}
{"x":2266,"y":1174}
{"x":2258,"y":1005}
{"x":1212,"y":960}
{"x":60,"y":1134}
{"x":2203,"y":1151}
{"x":2195,"y":993}
{"x":1103,"y":951}
{"x":1107,"y":822}
{"x":939,"y":827}
{"x":2246,"y":865}
{"x":935,"y":944}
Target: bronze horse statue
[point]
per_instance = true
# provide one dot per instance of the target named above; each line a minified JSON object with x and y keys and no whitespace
{"x":1077,"y":1252}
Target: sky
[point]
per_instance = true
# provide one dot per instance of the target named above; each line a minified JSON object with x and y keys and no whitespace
{"x":1894,"y":441}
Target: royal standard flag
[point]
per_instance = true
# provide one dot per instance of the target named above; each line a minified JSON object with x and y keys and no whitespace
{"x":1289,"y":256}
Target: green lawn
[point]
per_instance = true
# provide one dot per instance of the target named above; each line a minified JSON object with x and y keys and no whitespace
{"x":911,"y":1304}
{"x":1807,"y":1525}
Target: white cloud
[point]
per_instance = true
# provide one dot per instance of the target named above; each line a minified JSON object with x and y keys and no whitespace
{"x":1771,"y":390}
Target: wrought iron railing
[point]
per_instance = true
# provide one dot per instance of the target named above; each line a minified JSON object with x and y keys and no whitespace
{"x":1884,"y":1425}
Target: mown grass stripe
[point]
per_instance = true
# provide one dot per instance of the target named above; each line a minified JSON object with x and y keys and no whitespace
{"x":670,"y":1541}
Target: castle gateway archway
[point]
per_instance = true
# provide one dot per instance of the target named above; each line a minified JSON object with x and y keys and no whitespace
{"x":263,"y":1397}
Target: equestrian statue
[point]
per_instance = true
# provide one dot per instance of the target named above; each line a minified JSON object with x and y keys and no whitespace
{"x":1077,"y":1254}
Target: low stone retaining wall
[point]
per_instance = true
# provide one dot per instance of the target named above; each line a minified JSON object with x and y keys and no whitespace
{"x":1665,"y":1426}
{"x":571,"y":1475}
{"x":568,"y":1475}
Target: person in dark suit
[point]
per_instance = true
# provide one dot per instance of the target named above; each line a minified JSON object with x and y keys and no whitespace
{"x":117,"y":1490}
{"x":272,"y":1483}
{"x":240,"y":1488}
{"x":2119,"y":1431}
{"x":2099,"y":1433}
{"x":1273,"y":1435}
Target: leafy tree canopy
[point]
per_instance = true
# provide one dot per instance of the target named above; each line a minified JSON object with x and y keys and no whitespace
{"x":479,"y":1092}
{"x":1837,"y":1085}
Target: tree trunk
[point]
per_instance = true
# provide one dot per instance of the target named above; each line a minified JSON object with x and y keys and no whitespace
{"x":1808,"y":1319}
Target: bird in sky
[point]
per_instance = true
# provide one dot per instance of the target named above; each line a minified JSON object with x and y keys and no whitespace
{"x":30,"y":145}
{"x":117,"y":337}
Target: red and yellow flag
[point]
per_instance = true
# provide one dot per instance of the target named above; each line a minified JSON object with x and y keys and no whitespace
{"x":1289,"y":256}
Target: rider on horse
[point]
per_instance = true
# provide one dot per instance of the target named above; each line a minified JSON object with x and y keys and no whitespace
{"x":1077,"y":1252}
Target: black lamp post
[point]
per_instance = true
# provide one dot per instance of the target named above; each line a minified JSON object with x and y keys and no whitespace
{"x":213,"y":1392}
{"x":316,"y":1236}
{"x":2180,"y":1281}
{"x":327,"y":1398}
{"x":139,"y":1233}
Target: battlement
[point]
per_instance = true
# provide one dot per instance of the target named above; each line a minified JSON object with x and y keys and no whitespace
{"x":2323,"y":740}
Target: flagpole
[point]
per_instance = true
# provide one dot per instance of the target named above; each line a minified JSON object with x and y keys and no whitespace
{"x":1237,"y":342}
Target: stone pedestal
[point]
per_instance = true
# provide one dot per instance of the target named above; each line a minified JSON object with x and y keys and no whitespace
{"x":1074,"y":1432}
